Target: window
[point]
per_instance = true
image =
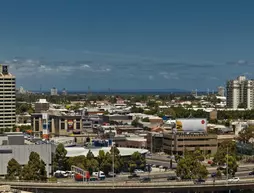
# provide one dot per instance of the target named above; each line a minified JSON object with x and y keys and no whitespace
{"x":62,"y":126}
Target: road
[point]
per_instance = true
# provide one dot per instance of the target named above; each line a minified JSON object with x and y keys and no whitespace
{"x":155,"y":177}
{"x":166,"y":163}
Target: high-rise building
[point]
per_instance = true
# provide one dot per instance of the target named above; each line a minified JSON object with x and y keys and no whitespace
{"x":53,"y":91}
{"x":221,"y":91}
{"x":7,"y":98}
{"x":64,"y":92}
{"x":240,"y":93}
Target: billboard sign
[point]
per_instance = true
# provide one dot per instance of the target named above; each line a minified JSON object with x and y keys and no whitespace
{"x":191,"y":125}
{"x":45,"y":124}
{"x":44,"y":116}
{"x":70,"y":124}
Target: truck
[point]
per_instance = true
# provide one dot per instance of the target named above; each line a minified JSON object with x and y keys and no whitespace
{"x":87,"y":177}
{"x":100,"y":175}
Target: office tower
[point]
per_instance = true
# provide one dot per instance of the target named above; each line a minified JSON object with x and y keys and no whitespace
{"x":221,"y":91}
{"x":64,"y":92}
{"x":53,"y":91}
{"x":240,"y":93}
{"x":7,"y":98}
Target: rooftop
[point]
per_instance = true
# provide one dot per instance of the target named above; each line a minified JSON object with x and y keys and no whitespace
{"x":124,"y":151}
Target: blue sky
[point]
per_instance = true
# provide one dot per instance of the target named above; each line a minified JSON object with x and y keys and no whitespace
{"x":130,"y":44}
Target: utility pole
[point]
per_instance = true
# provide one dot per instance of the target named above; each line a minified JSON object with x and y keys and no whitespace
{"x":227,"y":165}
{"x":151,"y":143}
{"x":113,"y":165}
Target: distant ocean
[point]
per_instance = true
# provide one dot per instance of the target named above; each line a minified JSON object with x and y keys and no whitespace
{"x":128,"y":91}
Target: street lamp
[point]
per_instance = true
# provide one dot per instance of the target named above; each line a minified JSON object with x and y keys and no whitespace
{"x":113,"y":163}
{"x":227,"y":165}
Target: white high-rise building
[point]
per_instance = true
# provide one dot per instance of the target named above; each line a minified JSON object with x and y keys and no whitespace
{"x":240,"y":93}
{"x":221,"y":91}
{"x":53,"y":91}
{"x":7,"y":98}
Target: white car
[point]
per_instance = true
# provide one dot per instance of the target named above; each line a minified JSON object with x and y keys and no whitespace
{"x":235,"y":179}
{"x":138,"y":171}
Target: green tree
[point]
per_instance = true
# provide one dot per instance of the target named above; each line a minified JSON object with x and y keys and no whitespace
{"x":170,"y":112}
{"x":34,"y":164}
{"x":135,"y":123}
{"x":146,"y":119}
{"x":90,"y":155}
{"x":135,"y":109}
{"x":106,"y":164}
{"x":101,"y":157}
{"x":27,"y":173}
{"x":60,"y":160}
{"x":198,"y":154}
{"x":246,"y":134}
{"x":218,"y":174}
{"x":189,"y":167}
{"x":118,"y":162}
{"x":137,"y":161}
{"x":13,"y":170}
{"x":221,"y":153}
{"x":43,"y":172}
{"x":79,"y":161}
{"x":35,"y":169}
{"x":232,"y":165}
{"x":92,"y":165}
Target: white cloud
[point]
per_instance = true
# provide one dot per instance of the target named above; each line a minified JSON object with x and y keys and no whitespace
{"x":23,"y":68}
{"x":171,"y":75}
{"x":85,"y":66}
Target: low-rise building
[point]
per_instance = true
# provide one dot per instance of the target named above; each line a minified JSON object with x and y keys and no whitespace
{"x":177,"y":143}
{"x":131,"y":141}
{"x":13,"y":147}
{"x":41,"y":106}
{"x":155,"y":142}
{"x":58,"y":125}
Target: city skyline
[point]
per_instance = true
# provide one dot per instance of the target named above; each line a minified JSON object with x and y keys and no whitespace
{"x":126,"y":45}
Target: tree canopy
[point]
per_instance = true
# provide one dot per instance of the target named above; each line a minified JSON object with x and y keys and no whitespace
{"x":190,"y":167}
{"x":246,"y":134}
{"x":35,"y":169}
{"x":13,"y":170}
{"x":60,"y":160}
{"x":137,"y":161}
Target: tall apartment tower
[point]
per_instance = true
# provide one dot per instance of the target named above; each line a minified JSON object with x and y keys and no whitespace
{"x":53,"y":91}
{"x":240,"y":93}
{"x":221,"y":91}
{"x":7,"y":98}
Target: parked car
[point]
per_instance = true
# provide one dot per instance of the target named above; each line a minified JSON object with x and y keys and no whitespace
{"x":145,"y":180}
{"x":111,"y":174}
{"x":235,"y":179}
{"x":251,"y":173}
{"x":222,"y":168}
{"x":138,"y":171}
{"x":213,"y":175}
{"x":134,"y":175}
{"x":60,"y":174}
{"x":70,"y":173}
{"x":171,"y":178}
{"x":199,"y":181}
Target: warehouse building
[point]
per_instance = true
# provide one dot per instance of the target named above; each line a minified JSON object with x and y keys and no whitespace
{"x":13,"y":147}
